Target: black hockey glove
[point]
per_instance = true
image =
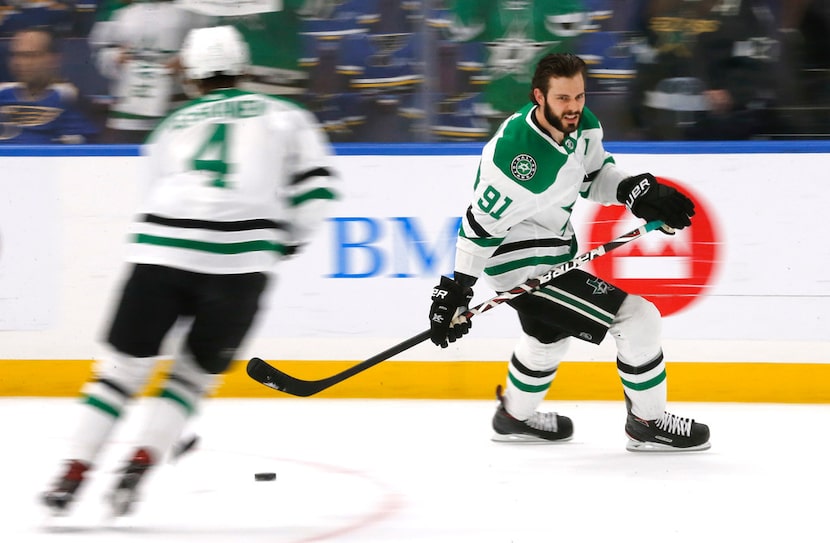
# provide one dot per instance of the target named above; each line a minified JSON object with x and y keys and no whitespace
{"x":449,"y":299}
{"x":290,"y":250}
{"x":653,"y":201}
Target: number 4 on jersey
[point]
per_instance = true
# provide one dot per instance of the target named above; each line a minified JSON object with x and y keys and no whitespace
{"x":212,"y":155}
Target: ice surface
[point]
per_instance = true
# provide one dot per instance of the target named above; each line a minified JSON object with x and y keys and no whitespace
{"x":425,"y":471}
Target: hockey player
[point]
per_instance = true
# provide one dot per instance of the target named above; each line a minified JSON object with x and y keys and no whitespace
{"x":136,"y":49}
{"x":238,"y":181}
{"x":531,"y":172}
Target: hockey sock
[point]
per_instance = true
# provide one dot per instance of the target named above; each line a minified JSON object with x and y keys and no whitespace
{"x":636,"y":330}
{"x":118,"y":378}
{"x":645,"y":386}
{"x":531,"y":371}
{"x":177,"y":401}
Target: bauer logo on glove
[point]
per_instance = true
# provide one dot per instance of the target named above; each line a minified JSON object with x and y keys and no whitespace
{"x":449,"y":301}
{"x":651,"y":200}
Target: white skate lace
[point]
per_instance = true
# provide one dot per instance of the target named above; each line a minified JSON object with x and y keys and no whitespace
{"x":673,"y":424}
{"x":543,"y":421}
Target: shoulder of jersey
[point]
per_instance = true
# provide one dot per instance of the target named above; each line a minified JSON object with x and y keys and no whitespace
{"x":525,"y":156}
{"x":589,"y":121}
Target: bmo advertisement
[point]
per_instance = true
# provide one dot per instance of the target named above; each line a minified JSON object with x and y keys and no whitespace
{"x":748,"y":274}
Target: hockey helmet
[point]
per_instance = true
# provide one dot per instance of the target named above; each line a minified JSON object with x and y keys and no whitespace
{"x":212,"y":51}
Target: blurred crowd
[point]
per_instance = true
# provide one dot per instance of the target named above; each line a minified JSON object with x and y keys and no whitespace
{"x":105,"y":71}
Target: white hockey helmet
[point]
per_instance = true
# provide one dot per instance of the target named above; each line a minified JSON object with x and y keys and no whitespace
{"x":212,"y":51}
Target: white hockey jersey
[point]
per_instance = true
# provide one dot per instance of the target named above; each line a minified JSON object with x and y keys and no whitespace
{"x":234,"y":178}
{"x":519,"y":223}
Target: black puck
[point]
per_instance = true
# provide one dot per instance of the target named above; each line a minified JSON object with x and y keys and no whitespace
{"x":267,"y":476}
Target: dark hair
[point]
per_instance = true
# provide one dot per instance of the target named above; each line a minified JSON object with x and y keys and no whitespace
{"x":555,"y":65}
{"x":219,"y":81}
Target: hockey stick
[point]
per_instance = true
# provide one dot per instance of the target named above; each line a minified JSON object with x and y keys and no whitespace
{"x":264,"y":373}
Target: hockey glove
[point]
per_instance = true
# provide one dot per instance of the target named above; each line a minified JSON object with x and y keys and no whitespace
{"x":653,"y":201}
{"x":449,"y":299}
{"x":291,"y":249}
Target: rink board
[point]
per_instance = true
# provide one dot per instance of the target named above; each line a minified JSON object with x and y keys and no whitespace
{"x":744,"y":292}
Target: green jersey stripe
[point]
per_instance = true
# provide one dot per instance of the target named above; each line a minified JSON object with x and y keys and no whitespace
{"x":212,"y":247}
{"x":316,"y":194}
{"x":481,"y":242}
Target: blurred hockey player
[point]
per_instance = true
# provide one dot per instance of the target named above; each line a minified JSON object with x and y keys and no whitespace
{"x":137,"y":48}
{"x":238,"y":181}
{"x":518,"y":225}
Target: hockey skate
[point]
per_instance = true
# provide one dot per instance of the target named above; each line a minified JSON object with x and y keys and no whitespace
{"x":669,"y":433}
{"x":539,"y":428}
{"x":124,"y":496}
{"x":60,"y":497}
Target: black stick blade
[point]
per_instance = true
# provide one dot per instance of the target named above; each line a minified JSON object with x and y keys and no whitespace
{"x":262,"y":372}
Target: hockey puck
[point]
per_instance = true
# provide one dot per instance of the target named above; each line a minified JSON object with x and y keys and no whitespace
{"x":269,"y":476}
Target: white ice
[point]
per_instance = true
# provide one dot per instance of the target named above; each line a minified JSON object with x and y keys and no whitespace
{"x":425,"y":471}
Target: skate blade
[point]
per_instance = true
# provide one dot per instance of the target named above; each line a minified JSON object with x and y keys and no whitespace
{"x":642,"y":446}
{"x":61,"y":521}
{"x":49,"y":510}
{"x":526,"y":438}
{"x":121,"y":503}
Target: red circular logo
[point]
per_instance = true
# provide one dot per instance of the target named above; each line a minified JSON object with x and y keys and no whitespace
{"x":670,"y":271}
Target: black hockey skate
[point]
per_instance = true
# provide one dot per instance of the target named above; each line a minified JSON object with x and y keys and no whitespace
{"x":60,"y":497}
{"x":669,"y":433}
{"x":539,"y":428}
{"x":125,"y":494}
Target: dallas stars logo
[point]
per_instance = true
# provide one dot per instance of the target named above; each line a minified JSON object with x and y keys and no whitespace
{"x":523,"y":167}
{"x":599,"y":286}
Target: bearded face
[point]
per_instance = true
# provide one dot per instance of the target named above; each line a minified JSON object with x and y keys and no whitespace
{"x":566,"y":122}
{"x":562,"y":104}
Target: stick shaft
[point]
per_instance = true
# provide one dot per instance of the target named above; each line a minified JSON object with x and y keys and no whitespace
{"x":261,"y":371}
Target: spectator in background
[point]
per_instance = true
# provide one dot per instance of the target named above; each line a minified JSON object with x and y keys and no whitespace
{"x":737,"y":64}
{"x":367,"y":70}
{"x":137,"y":50}
{"x":805,"y":86}
{"x":37,"y":108}
{"x":704,"y":69}
{"x":23,"y":14}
